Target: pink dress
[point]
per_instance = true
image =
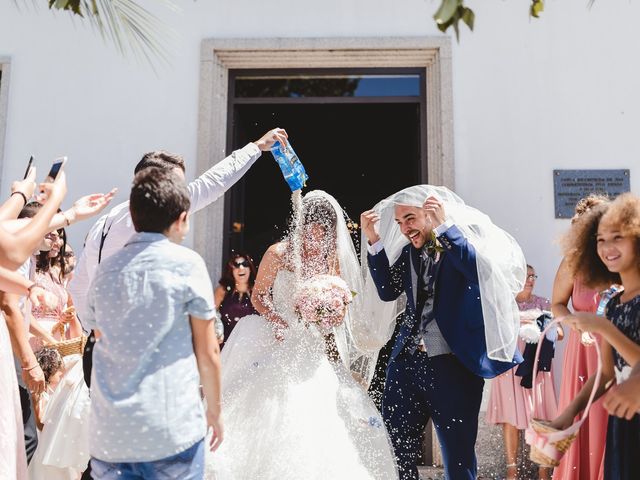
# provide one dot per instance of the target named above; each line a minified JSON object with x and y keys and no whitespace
{"x":508,"y":401}
{"x":13,"y":461}
{"x":48,"y":318}
{"x":584,"y":459}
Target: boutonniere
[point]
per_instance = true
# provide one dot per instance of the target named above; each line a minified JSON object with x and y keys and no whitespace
{"x":433,"y":246}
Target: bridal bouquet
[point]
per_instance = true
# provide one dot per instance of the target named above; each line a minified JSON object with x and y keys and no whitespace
{"x":323,"y":300}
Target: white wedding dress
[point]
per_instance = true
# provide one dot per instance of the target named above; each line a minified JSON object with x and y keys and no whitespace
{"x":289,"y":412}
{"x":62,"y":452}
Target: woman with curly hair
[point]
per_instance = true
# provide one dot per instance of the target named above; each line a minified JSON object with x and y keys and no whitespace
{"x":583,"y":460}
{"x":603,"y":247}
{"x":233,"y":294}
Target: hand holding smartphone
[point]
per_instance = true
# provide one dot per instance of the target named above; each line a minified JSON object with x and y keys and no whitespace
{"x":57,"y":165}
{"x":50,"y":185}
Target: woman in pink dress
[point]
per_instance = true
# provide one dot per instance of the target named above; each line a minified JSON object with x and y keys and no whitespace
{"x":584,"y":459}
{"x":61,"y":322}
{"x":509,"y":402}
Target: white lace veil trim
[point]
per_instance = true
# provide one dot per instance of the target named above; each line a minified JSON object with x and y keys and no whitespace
{"x":359,"y":360}
{"x":500,"y":263}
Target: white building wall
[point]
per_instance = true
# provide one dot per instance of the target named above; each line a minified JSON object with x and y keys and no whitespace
{"x":529,"y":95}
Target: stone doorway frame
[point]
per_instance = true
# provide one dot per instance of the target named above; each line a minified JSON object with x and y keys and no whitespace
{"x":218,"y":56}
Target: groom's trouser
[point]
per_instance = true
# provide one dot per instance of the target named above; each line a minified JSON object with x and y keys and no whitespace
{"x":441,"y":388}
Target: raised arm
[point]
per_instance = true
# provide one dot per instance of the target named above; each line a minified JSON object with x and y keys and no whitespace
{"x":213,"y":183}
{"x":16,"y":247}
{"x":458,"y":248}
{"x":387,"y":279}
{"x":82,"y":209}
{"x":21,"y":192}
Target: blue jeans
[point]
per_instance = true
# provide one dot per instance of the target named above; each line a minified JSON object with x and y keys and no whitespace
{"x":187,"y":465}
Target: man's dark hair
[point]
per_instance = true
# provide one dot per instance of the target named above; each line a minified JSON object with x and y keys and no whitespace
{"x":157,"y":199}
{"x":29,"y":210}
{"x":160,"y":159}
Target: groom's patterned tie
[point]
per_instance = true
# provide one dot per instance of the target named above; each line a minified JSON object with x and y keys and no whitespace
{"x":429,"y":338}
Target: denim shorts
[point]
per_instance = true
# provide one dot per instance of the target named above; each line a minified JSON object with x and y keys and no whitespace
{"x":186,"y":465}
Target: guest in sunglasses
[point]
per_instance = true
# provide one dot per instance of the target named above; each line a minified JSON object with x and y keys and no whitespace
{"x":233,"y":294}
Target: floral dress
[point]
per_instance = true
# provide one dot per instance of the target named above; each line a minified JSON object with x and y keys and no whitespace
{"x":623,"y":436}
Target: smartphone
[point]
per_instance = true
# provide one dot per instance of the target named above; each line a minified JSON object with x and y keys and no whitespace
{"x":55,"y":168}
{"x":26,"y":173}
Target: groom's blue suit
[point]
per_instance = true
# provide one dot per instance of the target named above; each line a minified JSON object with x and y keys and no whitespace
{"x":447,"y":387}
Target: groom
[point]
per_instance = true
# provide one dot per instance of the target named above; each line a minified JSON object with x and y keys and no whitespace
{"x":439,"y":361}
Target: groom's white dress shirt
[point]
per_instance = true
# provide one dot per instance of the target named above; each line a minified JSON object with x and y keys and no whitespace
{"x":117,"y":227}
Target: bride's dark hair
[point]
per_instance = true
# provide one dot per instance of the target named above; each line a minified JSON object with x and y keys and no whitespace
{"x":319,"y":211}
{"x":316,"y":210}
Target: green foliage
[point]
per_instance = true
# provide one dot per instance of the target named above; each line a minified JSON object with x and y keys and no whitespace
{"x":72,"y":5}
{"x":537,"y":6}
{"x":451,"y":12}
{"x":132,"y":27}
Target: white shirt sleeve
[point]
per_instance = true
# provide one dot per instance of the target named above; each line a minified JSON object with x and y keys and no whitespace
{"x":85,"y":270}
{"x":439,"y":230}
{"x":213,"y":183}
{"x":376,"y":248}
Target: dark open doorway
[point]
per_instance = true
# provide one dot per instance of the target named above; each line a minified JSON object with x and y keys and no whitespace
{"x":359,"y":136}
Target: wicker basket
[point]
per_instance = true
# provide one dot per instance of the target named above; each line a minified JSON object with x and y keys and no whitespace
{"x":548,"y":444}
{"x":70,"y":346}
{"x":538,"y":455}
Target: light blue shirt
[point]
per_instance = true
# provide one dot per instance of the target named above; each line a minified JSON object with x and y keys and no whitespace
{"x":145,"y":399}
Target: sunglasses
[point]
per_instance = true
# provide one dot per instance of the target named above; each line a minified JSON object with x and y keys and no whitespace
{"x":243,"y":263}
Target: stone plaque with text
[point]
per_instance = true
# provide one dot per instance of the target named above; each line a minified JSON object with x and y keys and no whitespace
{"x":569,"y":186}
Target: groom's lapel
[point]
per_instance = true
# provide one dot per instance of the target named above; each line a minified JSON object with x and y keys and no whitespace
{"x":413,"y":261}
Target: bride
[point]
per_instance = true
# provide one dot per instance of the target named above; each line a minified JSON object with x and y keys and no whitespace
{"x":293,"y":409}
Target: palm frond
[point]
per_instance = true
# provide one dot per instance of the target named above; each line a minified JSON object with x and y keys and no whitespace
{"x":126,"y":24}
{"x":131,"y":27}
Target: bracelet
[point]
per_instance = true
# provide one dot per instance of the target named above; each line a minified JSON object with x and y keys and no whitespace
{"x":66,"y":219}
{"x":24,"y":197}
{"x":28,"y":369}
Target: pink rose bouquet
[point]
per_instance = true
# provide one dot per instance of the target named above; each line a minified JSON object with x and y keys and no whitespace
{"x":323,"y":300}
